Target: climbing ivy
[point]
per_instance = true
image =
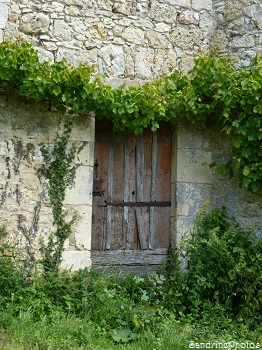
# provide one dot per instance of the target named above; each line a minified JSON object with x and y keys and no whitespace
{"x":213,"y":92}
{"x":58,"y":161}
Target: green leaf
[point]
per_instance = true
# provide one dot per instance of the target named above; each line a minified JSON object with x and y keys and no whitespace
{"x":246,"y":171}
{"x":258,"y":109}
{"x":121,"y":335}
{"x":57,"y":90}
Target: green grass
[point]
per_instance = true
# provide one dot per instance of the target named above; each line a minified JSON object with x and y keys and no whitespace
{"x":217,"y":300}
{"x":69,"y":333}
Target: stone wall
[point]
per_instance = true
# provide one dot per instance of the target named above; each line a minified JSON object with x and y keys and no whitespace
{"x":136,"y":39}
{"x":194,"y":183}
{"x":25,"y":209}
{"x":132,"y":41}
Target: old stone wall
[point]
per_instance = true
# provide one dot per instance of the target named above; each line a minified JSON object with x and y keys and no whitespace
{"x":132,"y":41}
{"x":25,"y":209}
{"x":194,"y":183}
{"x":136,"y":39}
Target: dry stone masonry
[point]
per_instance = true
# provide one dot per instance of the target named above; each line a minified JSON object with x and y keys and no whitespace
{"x":136,"y":39}
{"x":128,"y":41}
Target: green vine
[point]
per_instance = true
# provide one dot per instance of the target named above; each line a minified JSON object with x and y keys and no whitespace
{"x":58,"y":162}
{"x":213,"y":92}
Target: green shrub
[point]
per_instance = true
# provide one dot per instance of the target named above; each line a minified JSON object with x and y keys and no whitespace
{"x":224,"y":265}
{"x":11,"y":277}
{"x":221,"y":285}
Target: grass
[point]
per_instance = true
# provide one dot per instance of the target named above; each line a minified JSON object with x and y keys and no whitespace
{"x":216,"y":301}
{"x":70,"y":333}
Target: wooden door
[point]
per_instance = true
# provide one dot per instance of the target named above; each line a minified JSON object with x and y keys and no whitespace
{"x":131,"y":196}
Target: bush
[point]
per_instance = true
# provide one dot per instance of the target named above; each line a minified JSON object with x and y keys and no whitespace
{"x":224,"y":265}
{"x":11,"y":277}
{"x":221,"y":282}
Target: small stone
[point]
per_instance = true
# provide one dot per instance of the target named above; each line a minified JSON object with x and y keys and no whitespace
{"x":157,"y":40}
{"x":189,"y":17}
{"x":133,"y":35}
{"x":62,"y":30}
{"x":25,"y":10}
{"x":12,"y":18}
{"x":162,"y":27}
{"x":34,"y":23}
{"x":49,"y":46}
{"x":122,"y":9}
{"x":245,"y":42}
{"x":202,"y":5}
{"x":89,"y":46}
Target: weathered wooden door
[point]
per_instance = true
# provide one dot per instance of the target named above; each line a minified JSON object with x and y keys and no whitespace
{"x":131,"y":196}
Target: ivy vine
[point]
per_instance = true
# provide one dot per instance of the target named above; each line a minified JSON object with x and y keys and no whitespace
{"x":58,"y":161}
{"x":212,"y":92}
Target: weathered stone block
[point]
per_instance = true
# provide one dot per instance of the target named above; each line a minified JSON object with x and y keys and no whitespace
{"x":186,"y":38}
{"x":190,"y":166}
{"x":34,"y":23}
{"x":72,"y":11}
{"x":208,"y":24}
{"x":162,"y":27}
{"x":121,"y":8}
{"x":80,"y":192}
{"x":144,"y":60}
{"x":62,"y":30}
{"x":162,"y":12}
{"x":133,"y":35}
{"x":84,"y":128}
{"x":190,"y":196}
{"x":85,"y":153}
{"x":206,"y":5}
{"x":53,"y":7}
{"x":82,"y":228}
{"x":180,"y":3}
{"x":113,"y":56}
{"x":157,"y":40}
{"x":246,"y":41}
{"x":189,"y":17}
{"x":181,"y":225}
{"x":98,"y":30}
{"x":3,"y":15}
{"x":165,"y":60}
{"x":187,"y":137}
{"x":76,"y":260}
{"x":75,"y":56}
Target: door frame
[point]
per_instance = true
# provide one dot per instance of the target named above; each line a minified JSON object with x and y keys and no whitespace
{"x":157,"y":255}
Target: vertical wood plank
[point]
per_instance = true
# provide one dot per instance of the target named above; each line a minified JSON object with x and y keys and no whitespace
{"x":109,"y":214}
{"x":142,"y":226}
{"x":147,"y":139}
{"x":117,"y":192}
{"x":132,"y":238}
{"x":100,"y":174}
{"x":141,"y":214}
{"x":139,"y":168}
{"x":153,"y":192}
{"x":163,"y":180}
{"x":126,"y":191}
{"x":147,"y":168}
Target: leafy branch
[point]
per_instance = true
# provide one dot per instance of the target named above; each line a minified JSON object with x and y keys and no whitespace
{"x":58,"y":173}
{"x":213,"y":92}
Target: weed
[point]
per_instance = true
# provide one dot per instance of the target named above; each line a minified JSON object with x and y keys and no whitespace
{"x":218,"y":295}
